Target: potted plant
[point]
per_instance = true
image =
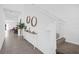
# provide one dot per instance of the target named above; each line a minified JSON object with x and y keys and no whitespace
{"x":21,"y":26}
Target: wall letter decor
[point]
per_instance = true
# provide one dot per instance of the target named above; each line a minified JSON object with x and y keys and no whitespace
{"x":28,"y":19}
{"x":34,"y":21}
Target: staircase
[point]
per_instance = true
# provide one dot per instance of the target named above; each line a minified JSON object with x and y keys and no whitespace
{"x":64,"y":47}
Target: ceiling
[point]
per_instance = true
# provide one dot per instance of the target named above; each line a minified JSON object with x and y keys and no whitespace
{"x":11,"y":14}
{"x":12,"y":11}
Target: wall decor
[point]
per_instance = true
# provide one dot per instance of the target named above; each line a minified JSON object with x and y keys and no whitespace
{"x":29,"y":31}
{"x":32,"y":21}
{"x":28,"y":19}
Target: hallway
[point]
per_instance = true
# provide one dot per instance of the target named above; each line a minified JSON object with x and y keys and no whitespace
{"x":38,"y":25}
{"x":16,"y":45}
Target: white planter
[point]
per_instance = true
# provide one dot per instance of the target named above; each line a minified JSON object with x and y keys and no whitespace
{"x":19,"y":32}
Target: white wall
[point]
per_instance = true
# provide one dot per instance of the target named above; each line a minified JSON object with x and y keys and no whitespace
{"x":70,"y":15}
{"x":45,"y":40}
{"x":59,"y":27}
{"x":1,"y":27}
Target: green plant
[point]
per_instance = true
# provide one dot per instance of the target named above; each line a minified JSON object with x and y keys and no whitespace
{"x":21,"y":26}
